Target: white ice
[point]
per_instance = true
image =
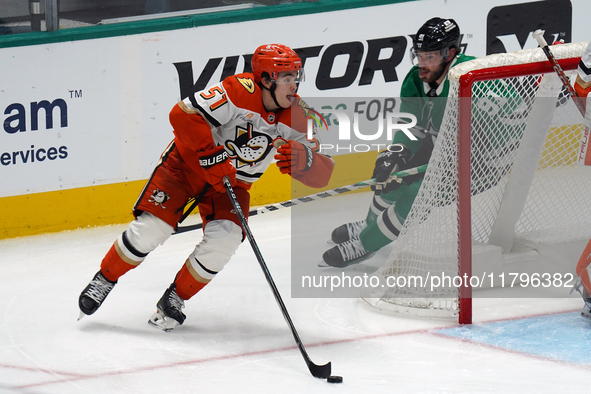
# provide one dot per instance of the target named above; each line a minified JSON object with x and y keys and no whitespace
{"x":235,"y":339}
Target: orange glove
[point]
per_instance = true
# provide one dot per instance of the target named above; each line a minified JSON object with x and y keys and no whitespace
{"x":216,"y":164}
{"x":293,"y":157}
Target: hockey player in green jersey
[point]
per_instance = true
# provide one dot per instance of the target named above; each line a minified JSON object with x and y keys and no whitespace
{"x":436,"y":48}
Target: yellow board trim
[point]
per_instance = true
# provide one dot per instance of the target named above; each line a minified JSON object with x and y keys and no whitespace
{"x":70,"y":209}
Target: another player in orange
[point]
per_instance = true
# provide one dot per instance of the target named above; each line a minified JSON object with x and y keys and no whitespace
{"x":583,"y":87}
{"x":583,"y":83}
{"x":584,"y":272}
{"x":236,"y":128}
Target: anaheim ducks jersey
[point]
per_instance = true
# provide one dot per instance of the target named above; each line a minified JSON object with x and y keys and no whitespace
{"x":237,"y":120}
{"x":584,"y":69}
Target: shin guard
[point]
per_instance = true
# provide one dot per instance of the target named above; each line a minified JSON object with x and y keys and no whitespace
{"x":120,"y":259}
{"x":583,"y":267}
{"x":189,"y":283}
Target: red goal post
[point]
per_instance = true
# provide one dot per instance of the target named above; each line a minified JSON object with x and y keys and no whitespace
{"x":507,"y":134}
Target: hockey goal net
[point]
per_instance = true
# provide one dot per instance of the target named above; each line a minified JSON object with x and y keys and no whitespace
{"x":503,"y":180}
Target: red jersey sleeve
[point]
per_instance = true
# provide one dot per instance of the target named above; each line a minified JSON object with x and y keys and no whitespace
{"x":192,"y":134}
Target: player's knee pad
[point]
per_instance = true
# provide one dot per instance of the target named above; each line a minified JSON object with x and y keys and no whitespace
{"x":220,"y":240}
{"x":583,"y":268}
{"x":585,"y":276}
{"x":143,"y":235}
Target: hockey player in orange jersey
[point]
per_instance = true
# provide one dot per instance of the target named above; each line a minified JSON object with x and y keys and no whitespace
{"x":583,"y":87}
{"x":583,"y":285}
{"x":236,"y":128}
{"x":583,"y":82}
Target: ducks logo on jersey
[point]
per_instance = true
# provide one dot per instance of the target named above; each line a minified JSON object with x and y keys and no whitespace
{"x":249,"y":146}
{"x":159,"y":197}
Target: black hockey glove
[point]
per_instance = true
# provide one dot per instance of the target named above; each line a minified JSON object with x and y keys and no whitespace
{"x":387,"y":163}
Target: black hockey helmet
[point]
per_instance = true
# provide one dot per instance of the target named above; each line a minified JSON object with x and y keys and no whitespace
{"x":437,"y":34}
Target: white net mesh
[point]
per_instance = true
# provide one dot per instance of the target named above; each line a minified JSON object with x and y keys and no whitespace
{"x":556,"y":204}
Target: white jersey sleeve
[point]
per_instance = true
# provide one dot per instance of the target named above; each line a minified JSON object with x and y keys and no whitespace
{"x":584,"y":69}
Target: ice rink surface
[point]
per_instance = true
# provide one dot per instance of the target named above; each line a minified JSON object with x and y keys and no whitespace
{"x":235,"y":339}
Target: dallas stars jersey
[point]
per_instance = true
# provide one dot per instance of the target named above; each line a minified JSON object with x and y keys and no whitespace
{"x":232,"y":114}
{"x":415,"y":99}
{"x":496,"y":100}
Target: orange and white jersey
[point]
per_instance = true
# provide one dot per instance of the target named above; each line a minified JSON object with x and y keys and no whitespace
{"x":584,"y":69}
{"x":238,"y":120}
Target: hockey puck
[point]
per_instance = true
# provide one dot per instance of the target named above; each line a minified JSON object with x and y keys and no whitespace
{"x":334,"y":379}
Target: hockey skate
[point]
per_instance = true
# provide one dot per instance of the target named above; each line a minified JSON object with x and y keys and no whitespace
{"x":348,"y":231}
{"x":94,"y":294}
{"x":586,"y":311}
{"x":168,"y":313}
{"x":345,"y":254}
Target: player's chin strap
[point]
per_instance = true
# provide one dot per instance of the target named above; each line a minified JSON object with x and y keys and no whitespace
{"x":272,"y":91}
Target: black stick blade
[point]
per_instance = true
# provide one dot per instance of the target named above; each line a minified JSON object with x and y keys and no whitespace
{"x":319,"y":371}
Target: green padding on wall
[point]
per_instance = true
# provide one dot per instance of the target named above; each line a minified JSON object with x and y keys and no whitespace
{"x":185,"y":22}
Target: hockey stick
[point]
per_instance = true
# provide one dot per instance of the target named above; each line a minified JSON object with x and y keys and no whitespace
{"x":317,"y":196}
{"x":318,"y":371}
{"x":539,"y":36}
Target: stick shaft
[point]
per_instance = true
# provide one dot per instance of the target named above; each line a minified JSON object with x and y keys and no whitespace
{"x":539,"y":36}
{"x":316,"y":196}
{"x":318,"y":371}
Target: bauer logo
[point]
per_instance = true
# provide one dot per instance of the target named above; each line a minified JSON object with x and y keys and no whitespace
{"x":508,"y":30}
